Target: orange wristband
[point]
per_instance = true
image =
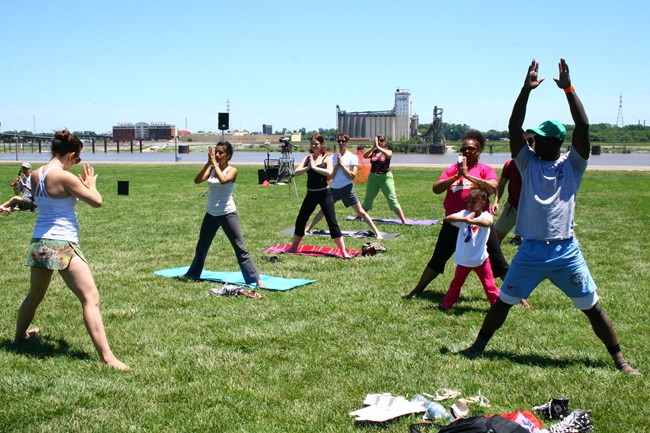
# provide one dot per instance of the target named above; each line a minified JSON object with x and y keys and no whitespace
{"x":569,"y":89}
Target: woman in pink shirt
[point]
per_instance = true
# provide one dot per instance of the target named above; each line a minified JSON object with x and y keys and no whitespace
{"x":457,"y":181}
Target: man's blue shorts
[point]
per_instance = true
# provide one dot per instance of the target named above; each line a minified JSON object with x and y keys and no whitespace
{"x":559,"y":261}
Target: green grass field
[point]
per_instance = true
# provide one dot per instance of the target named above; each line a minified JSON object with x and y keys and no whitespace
{"x":299,"y":361}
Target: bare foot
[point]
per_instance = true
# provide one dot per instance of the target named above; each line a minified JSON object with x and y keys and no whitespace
{"x":260,"y":284}
{"x":379,"y":236}
{"x":471,"y":352}
{"x":631,"y":371}
{"x":414,"y":292}
{"x":525,"y":304}
{"x":117,"y":364}
{"x":31,"y":333}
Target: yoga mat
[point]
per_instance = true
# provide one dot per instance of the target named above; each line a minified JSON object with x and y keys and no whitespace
{"x":396,"y":221}
{"x":360,"y":234}
{"x":271,"y":283}
{"x":310,"y":250}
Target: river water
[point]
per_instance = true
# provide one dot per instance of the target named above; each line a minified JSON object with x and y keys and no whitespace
{"x":638,"y":161}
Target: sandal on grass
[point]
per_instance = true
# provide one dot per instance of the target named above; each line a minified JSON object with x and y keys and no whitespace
{"x":251,"y":294}
{"x":459,"y":410}
{"x":480,"y":400}
{"x":443,"y":394}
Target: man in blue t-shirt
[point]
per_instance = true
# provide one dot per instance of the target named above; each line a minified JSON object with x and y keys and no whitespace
{"x":550,"y":182}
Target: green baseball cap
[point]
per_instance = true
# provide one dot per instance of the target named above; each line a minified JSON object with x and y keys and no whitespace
{"x":550,"y":129}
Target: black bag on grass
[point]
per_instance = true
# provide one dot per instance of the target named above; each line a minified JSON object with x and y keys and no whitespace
{"x":478,"y":424}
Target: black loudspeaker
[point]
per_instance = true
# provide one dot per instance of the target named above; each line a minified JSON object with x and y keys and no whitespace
{"x":122,"y":187}
{"x":223,"y":121}
{"x":271,"y":173}
{"x":268,"y":174}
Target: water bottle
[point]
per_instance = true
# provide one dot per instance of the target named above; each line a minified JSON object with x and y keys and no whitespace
{"x":437,"y":411}
{"x":434,"y":410}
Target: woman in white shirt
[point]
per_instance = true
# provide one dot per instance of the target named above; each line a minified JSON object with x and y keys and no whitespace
{"x":55,"y":242}
{"x":221,"y":212}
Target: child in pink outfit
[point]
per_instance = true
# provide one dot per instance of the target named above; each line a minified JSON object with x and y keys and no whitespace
{"x":471,"y":248}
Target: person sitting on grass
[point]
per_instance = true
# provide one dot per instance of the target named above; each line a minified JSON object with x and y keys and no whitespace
{"x":221,"y":212}
{"x":550,"y":182}
{"x":345,"y":170}
{"x":471,"y":248}
{"x":22,"y":185}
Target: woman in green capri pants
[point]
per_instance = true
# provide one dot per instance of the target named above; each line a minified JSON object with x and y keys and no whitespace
{"x":381,"y":178}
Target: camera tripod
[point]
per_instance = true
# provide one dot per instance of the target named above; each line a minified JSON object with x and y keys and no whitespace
{"x":285,"y":170}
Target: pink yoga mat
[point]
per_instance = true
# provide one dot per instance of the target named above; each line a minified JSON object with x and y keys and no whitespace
{"x":310,"y":250}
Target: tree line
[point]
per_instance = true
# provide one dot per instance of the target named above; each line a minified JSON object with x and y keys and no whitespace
{"x":600,"y":132}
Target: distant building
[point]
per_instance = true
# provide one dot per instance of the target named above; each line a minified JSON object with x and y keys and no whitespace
{"x":143,"y":131}
{"x":267,"y":129}
{"x":124,"y":132}
{"x":161,"y":131}
{"x":395,"y":124}
{"x":240,"y":133}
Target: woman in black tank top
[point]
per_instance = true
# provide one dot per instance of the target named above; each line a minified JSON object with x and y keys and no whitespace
{"x":318,"y":166}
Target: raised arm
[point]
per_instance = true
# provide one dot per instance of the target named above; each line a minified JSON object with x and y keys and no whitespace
{"x":387,"y":152}
{"x":83,"y":187}
{"x":15,"y":184}
{"x":24,"y":184}
{"x":222,"y":177}
{"x":368,"y":153}
{"x":517,"y":138}
{"x":490,"y":185}
{"x":580,"y":141}
{"x":204,"y":173}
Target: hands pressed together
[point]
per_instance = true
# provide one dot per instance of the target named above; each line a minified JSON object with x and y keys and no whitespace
{"x":88,"y":178}
{"x":212,"y":157}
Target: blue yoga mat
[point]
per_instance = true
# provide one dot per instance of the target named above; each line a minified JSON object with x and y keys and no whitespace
{"x":271,"y":283}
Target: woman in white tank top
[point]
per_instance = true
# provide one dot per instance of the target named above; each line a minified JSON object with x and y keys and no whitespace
{"x":221,"y":212}
{"x":54,"y":244}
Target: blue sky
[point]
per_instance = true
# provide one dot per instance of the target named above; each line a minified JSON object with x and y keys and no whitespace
{"x":88,"y":65}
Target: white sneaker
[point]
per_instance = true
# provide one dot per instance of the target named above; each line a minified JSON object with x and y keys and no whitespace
{"x":578,"y":421}
{"x":226,"y":290}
